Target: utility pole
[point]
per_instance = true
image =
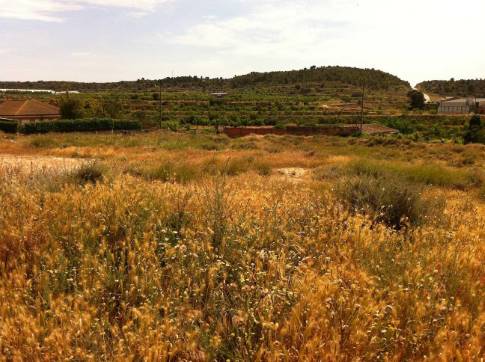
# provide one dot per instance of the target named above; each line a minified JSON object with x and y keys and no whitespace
{"x":160,"y":101}
{"x":362,"y":108}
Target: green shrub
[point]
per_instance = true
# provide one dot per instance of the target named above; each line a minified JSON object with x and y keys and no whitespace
{"x":237,"y":166}
{"x":331,"y":172}
{"x":389,"y":200}
{"x":210,"y":146}
{"x":8,"y":126}
{"x":474,"y":132}
{"x":438,"y":176}
{"x":478,"y":137}
{"x":127,"y":125}
{"x":166,"y":172}
{"x":83,"y":125}
{"x":89,"y":173}
{"x":475,"y":121}
{"x":173,"y":126}
{"x":429,"y":174}
{"x":70,"y":107}
{"x":403,"y":126}
{"x":263,"y":169}
{"x":416,"y":99}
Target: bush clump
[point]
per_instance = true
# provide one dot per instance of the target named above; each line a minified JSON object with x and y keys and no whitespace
{"x":90,"y":172}
{"x":166,"y":171}
{"x":475,"y":133}
{"x":389,"y":200}
{"x":427,"y":174}
{"x":8,"y":126}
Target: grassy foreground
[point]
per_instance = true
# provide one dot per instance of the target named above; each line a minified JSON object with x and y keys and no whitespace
{"x":167,"y":246}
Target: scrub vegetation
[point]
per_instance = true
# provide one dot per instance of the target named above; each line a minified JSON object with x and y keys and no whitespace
{"x":193,"y":246}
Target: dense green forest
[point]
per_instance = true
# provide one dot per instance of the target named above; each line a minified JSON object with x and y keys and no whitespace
{"x":374,"y":79}
{"x":463,"y":87}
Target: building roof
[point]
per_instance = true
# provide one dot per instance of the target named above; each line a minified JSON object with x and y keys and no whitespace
{"x":469,"y":100}
{"x":29,"y":107}
{"x":456,"y":101}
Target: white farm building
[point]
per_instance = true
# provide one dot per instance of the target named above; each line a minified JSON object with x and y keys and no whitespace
{"x":462,"y":105}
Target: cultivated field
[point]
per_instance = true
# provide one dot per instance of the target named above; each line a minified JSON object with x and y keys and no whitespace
{"x":183,"y":246}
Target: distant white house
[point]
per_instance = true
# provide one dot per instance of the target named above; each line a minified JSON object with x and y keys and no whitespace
{"x":50,"y":91}
{"x":12,"y":90}
{"x":461,"y":105}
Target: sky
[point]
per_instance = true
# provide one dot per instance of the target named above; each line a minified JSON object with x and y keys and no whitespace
{"x":112,"y":40}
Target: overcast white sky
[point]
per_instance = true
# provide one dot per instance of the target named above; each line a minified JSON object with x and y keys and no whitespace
{"x":109,"y":40}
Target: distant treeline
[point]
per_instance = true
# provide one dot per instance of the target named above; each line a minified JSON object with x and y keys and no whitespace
{"x":372,"y":78}
{"x":463,"y":87}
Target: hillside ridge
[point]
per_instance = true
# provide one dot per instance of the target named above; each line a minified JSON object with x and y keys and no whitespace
{"x":461,"y":88}
{"x":372,"y":78}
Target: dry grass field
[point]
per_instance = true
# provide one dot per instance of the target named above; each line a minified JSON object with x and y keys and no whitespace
{"x":177,"y":246}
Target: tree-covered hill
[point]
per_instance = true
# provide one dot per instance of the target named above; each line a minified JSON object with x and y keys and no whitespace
{"x":463,"y":87}
{"x":373,"y":79}
{"x":306,"y":96}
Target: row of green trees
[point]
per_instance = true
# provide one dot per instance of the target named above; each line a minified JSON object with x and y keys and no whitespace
{"x":8,"y":126}
{"x":74,"y":107}
{"x":373,"y":78}
{"x":462,"y":87}
{"x":70,"y":125}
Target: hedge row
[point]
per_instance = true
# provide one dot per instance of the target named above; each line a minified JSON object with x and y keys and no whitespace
{"x":78,"y":125}
{"x":8,"y":127}
{"x":419,"y":118}
{"x":245,"y":119}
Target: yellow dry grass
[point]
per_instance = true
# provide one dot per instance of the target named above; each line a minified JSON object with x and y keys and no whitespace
{"x":35,"y":164}
{"x":242,"y":267}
